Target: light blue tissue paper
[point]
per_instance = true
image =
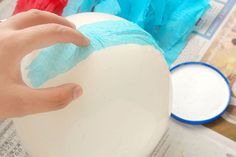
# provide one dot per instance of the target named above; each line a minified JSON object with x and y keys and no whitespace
{"x":108,"y":6}
{"x":173,"y":35}
{"x":170,"y":22}
{"x":170,"y":7}
{"x":72,"y":7}
{"x":136,"y":10}
{"x":155,"y":15}
{"x":61,"y":58}
{"x":87,"y":5}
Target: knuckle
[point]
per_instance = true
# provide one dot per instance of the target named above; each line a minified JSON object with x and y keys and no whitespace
{"x":56,"y":28}
{"x":36,"y":13}
{"x":61,"y":99}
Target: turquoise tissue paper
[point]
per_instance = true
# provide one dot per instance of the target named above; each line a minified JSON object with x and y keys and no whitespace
{"x":170,"y":22}
{"x":61,"y":58}
{"x":72,"y":7}
{"x":165,"y":24}
{"x":173,"y":34}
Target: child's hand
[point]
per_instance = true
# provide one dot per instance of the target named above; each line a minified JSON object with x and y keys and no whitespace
{"x":20,"y":35}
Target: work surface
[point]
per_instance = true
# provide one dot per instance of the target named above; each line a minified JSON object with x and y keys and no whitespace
{"x":212,"y":42}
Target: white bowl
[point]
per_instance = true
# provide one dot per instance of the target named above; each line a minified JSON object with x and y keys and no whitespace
{"x":123,"y":112}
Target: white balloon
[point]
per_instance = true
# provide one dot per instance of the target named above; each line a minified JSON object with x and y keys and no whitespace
{"x":123,"y":112}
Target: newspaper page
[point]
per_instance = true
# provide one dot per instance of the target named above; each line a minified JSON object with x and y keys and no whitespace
{"x":214,"y":42}
{"x":182,"y":140}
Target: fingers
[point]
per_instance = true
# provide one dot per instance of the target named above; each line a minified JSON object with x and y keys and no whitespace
{"x":45,"y":35}
{"x":50,"y":99}
{"x":36,"y":17}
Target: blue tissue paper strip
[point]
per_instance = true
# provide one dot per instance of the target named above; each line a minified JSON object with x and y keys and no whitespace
{"x":72,"y":7}
{"x":170,"y":22}
{"x":173,"y":35}
{"x":61,"y":58}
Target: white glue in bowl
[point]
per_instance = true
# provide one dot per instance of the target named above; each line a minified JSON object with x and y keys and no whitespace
{"x":201,"y":93}
{"x":124,"y":109}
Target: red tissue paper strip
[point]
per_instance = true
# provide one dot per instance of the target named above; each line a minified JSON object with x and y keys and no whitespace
{"x":54,"y":6}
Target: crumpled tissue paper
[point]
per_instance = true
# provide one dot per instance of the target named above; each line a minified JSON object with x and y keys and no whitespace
{"x":170,"y":22}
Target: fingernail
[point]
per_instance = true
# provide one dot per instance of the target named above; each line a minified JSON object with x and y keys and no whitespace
{"x":77,"y":92}
{"x":87,"y":41}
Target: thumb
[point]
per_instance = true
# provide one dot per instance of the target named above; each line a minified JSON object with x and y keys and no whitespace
{"x":49,"y":99}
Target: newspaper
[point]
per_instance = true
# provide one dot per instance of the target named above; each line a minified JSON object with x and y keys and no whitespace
{"x":182,"y":140}
{"x":214,"y":42}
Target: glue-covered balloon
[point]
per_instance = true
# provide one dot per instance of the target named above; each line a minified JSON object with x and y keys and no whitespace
{"x":124,"y":109}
